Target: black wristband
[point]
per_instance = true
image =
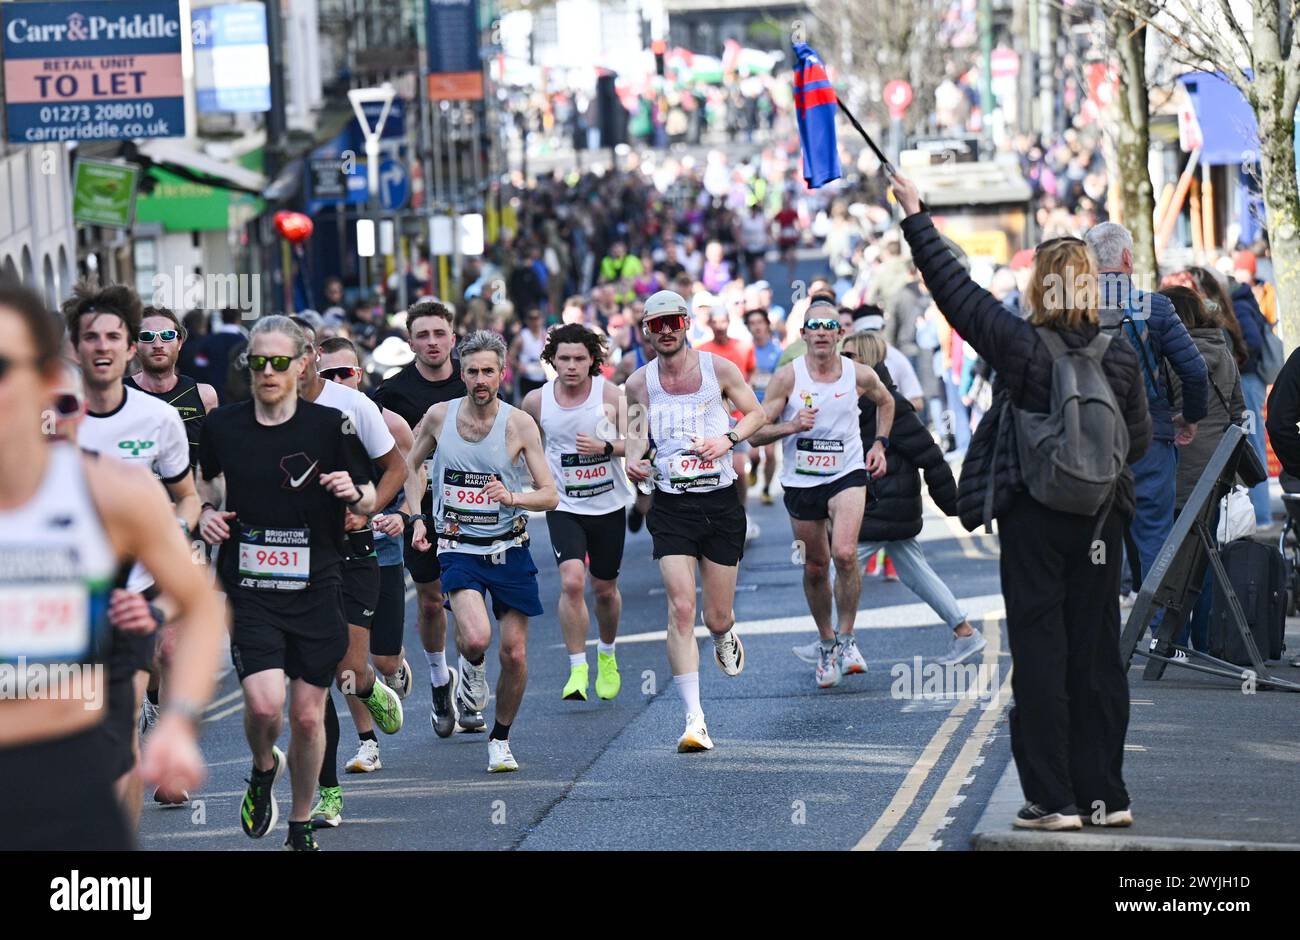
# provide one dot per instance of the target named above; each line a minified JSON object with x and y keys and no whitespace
{"x":609,"y":448}
{"x":208,"y":506}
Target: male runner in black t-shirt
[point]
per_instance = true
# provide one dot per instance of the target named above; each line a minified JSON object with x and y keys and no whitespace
{"x":433,"y":377}
{"x":290,"y":468}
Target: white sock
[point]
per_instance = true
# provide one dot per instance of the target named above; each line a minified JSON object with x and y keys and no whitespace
{"x":438,"y":673}
{"x":606,"y":648}
{"x":720,"y":638}
{"x":688,"y":687}
{"x":577,"y":659}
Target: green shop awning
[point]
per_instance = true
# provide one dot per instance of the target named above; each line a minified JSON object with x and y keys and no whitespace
{"x":182,"y":205}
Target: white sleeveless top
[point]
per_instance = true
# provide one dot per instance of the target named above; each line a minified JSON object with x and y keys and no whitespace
{"x":675,"y":419}
{"x":833,"y":447}
{"x":57,"y":568}
{"x":530,"y":355}
{"x":588,"y":485}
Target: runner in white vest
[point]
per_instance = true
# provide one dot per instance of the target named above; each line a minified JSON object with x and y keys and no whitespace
{"x":677,"y":402}
{"x":812,"y":403}
{"x":579,"y":414}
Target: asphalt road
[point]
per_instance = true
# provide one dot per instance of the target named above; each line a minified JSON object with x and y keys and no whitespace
{"x":794,"y":767}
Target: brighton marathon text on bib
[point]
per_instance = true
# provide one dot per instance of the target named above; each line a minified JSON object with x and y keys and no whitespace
{"x":464,"y":501}
{"x":274,"y":559}
{"x":44,"y":604}
{"x":818,"y":457}
{"x":689,"y":472}
{"x":586,"y":475}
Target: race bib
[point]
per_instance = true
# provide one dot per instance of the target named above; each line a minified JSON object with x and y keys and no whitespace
{"x":691,"y":472}
{"x":818,"y":457}
{"x":274,"y":559}
{"x":45,"y":605}
{"x":463,"y":499}
{"x":586,"y":475}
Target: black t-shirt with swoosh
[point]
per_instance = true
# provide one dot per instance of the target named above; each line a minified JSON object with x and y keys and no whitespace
{"x":273,"y":482}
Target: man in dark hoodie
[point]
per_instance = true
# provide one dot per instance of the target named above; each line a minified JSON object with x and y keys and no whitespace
{"x":1150,"y":324}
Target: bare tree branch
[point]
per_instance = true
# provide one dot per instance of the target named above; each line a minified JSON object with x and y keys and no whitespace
{"x":1237,"y":31}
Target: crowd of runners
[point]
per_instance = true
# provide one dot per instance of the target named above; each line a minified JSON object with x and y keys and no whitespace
{"x":142,"y":520}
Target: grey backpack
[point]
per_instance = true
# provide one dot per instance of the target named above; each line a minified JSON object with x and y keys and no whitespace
{"x":1071,"y":457}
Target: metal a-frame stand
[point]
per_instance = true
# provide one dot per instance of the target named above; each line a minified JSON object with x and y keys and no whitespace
{"x":1174,"y":582}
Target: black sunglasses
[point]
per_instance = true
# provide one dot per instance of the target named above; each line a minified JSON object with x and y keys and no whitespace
{"x":339,"y":373}
{"x":67,"y":404}
{"x":278,"y":363}
{"x":148,"y":336}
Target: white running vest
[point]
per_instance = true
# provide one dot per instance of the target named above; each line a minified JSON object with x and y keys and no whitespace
{"x":675,"y":419}
{"x":588,"y":485}
{"x":57,"y":567}
{"x":833,"y":447}
{"x":530,"y":355}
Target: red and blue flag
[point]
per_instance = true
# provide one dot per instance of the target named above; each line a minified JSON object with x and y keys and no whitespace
{"x":815,"y":108}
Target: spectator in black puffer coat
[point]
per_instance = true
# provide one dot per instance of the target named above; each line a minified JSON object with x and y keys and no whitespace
{"x":892,"y":518}
{"x":1061,"y":589}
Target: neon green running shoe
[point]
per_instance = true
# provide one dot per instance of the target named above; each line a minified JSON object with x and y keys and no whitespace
{"x":385,"y":707}
{"x":607,"y":680}
{"x":575,"y":690}
{"x":328,"y":810}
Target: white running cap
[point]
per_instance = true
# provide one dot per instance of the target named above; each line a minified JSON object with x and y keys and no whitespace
{"x":663,"y":302}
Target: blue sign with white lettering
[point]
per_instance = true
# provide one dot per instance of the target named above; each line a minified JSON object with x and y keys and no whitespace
{"x":92,"y":70}
{"x":232,"y":69}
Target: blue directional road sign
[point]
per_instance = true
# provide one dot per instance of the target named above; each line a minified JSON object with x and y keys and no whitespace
{"x":394,"y":184}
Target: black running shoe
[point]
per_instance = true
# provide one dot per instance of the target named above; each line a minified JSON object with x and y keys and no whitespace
{"x":1033,"y":816}
{"x":259,"y":814}
{"x":302,"y":838}
{"x":634,"y":520}
{"x":470,"y":719}
{"x":443,"y":712}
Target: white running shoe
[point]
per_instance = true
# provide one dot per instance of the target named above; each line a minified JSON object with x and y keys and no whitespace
{"x":752,"y":531}
{"x":828,"y":673}
{"x":852,"y":662}
{"x":695,"y":737}
{"x":808,"y":652}
{"x":148,"y":716}
{"x":366,"y":760}
{"x":729,"y":653}
{"x":500,"y":760}
{"x":473,"y":684}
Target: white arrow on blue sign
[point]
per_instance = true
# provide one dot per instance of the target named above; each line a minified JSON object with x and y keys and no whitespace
{"x":394,"y":184}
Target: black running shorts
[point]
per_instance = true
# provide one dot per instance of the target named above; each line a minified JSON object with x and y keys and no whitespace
{"x":575,"y":536}
{"x":307,"y":638}
{"x":57,"y":795}
{"x":703,"y":525}
{"x":388,"y":626}
{"x":812,"y":503}
{"x":360,"y":590}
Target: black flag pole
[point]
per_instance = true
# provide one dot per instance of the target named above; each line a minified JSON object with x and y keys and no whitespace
{"x":889,"y":167}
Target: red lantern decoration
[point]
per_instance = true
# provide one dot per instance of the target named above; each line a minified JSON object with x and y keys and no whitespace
{"x":294,"y":226}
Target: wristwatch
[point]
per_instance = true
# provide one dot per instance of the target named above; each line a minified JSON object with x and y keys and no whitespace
{"x":733,"y":437}
{"x":609,"y":448}
{"x":884,"y":441}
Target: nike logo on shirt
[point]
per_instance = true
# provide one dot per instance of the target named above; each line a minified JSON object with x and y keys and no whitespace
{"x":295,"y":482}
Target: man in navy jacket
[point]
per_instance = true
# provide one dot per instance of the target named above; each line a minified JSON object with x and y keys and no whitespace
{"x":1162,"y":344}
